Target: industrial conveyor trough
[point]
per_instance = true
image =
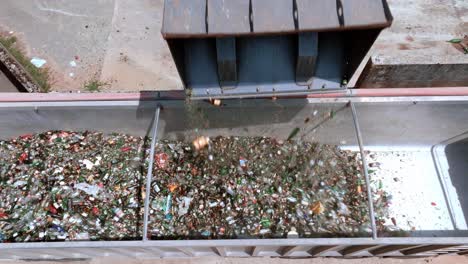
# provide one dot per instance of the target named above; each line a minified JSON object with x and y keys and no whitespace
{"x":415,"y":150}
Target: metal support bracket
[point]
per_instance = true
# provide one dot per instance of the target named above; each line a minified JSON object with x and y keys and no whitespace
{"x":149,"y":174}
{"x":365,"y":168}
{"x":306,"y":57}
{"x":227,"y":62}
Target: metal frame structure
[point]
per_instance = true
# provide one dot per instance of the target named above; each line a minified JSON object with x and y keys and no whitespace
{"x":365,"y":170}
{"x":149,"y":176}
{"x":252,"y":47}
{"x":332,"y":247}
{"x":443,"y":170}
{"x":320,"y":247}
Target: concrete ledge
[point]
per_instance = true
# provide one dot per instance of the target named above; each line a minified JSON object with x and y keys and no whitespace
{"x":414,"y":52}
{"x":413,"y":75}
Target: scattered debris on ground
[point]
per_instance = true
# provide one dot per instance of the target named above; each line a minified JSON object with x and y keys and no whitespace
{"x":94,"y":85}
{"x":460,"y":44}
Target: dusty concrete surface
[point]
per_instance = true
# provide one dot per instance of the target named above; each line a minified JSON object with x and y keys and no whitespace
{"x":438,"y":260}
{"x":119,"y":42}
{"x":60,"y":30}
{"x":116,"y":41}
{"x":137,"y":57}
{"x":415,"y":52}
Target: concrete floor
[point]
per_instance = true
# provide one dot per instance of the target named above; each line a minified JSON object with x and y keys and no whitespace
{"x":119,"y":41}
{"x":420,"y":31}
{"x":414,"y":52}
{"x":115,"y":41}
{"x":438,"y":260}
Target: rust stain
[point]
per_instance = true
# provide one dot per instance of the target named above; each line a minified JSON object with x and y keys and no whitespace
{"x":403,"y":46}
{"x":409,"y":38}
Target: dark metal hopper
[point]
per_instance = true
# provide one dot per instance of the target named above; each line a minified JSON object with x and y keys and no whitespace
{"x":248,"y":47}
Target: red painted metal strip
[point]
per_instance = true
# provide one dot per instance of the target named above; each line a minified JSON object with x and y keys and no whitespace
{"x":180,"y":95}
{"x":72,"y":97}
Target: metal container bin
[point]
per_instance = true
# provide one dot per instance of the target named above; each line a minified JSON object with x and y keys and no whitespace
{"x":427,"y":130}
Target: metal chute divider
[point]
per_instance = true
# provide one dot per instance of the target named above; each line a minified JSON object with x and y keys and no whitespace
{"x":258,"y":47}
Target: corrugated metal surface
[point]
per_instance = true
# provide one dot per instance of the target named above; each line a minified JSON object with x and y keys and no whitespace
{"x":355,"y":247}
{"x":188,"y":18}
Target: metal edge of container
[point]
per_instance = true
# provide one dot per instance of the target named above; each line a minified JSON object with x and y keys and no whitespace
{"x":451,"y":196}
{"x":335,"y":247}
{"x":380,"y":94}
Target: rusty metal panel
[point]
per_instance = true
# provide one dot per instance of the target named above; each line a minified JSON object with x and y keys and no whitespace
{"x":228,"y":17}
{"x":363,"y":13}
{"x":317,"y":14}
{"x":184,"y":17}
{"x":272,"y":16}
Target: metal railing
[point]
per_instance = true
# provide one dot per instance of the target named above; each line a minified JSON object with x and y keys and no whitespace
{"x":320,"y":247}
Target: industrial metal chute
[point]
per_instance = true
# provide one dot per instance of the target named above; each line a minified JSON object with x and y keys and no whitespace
{"x":413,"y":133}
{"x":258,"y":47}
